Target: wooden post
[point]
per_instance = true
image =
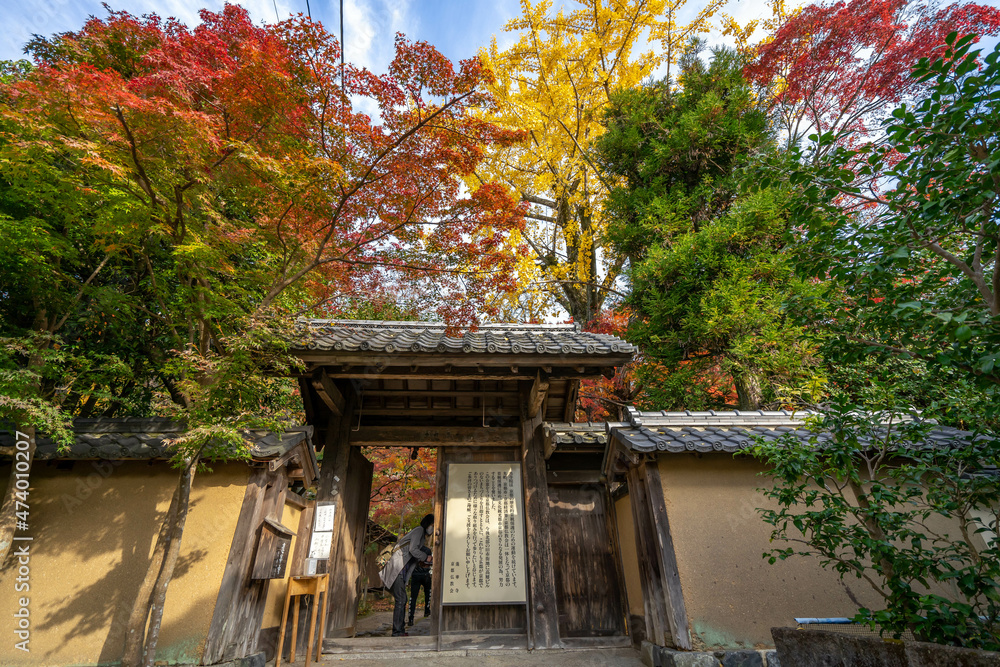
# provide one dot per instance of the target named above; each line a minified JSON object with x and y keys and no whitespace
{"x":239,"y":606}
{"x":333,"y":486}
{"x":336,"y":450}
{"x":543,"y":612}
{"x":663,"y":599}
{"x":438,"y":570}
{"x":654,"y":603}
{"x":677,"y":613}
{"x":611,"y":517}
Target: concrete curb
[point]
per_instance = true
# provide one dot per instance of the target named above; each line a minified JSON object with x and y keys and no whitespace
{"x":659,"y":656}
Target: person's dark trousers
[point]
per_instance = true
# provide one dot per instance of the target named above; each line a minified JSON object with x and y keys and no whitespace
{"x":418,"y":579}
{"x":399,"y":610}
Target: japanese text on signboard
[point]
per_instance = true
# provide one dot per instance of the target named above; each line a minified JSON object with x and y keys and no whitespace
{"x":484,"y":528}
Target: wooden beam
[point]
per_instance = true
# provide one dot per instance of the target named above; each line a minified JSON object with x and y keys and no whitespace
{"x":430,"y":393}
{"x":543,"y":610}
{"x":279,"y":462}
{"x":458,"y":373}
{"x":428,"y":374}
{"x":443,"y":436}
{"x":575,"y":477}
{"x":654,"y":605}
{"x":539,"y":391}
{"x":677,"y":612}
{"x":328,"y":392}
{"x":490,"y":411}
{"x":295,"y":500}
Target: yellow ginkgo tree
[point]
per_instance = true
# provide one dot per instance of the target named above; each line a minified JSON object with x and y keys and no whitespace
{"x":553,"y":84}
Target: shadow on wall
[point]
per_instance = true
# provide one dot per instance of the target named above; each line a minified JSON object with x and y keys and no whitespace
{"x":93,"y":529}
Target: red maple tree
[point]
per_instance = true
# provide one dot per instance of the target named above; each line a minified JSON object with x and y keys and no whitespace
{"x":835,"y":70}
{"x":403,"y":486}
{"x":240,"y":172}
{"x":250,"y":131}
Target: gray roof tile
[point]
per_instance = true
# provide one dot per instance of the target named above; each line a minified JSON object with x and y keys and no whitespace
{"x":146,"y":438}
{"x":430,"y":337}
{"x":739,"y":434}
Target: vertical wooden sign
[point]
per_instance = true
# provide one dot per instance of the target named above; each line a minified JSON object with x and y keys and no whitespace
{"x":484,"y":535}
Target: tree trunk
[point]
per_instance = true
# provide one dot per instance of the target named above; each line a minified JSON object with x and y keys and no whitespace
{"x":159,"y":596}
{"x":135,"y":630}
{"x":19,"y":469}
{"x":749,"y":392}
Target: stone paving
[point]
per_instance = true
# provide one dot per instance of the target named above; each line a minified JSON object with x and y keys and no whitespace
{"x":480,"y":658}
{"x":379,"y":624}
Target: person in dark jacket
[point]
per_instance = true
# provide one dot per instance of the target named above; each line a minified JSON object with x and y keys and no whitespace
{"x":414,"y":551}
{"x":421,"y":578}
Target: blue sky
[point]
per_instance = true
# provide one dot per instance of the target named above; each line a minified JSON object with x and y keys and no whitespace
{"x":458,"y":28}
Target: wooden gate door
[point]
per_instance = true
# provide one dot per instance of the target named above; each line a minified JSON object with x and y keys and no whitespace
{"x":588,"y":587}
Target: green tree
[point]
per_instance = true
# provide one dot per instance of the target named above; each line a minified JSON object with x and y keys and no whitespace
{"x":908,"y":246}
{"x":706,"y":246}
{"x":878,"y":501}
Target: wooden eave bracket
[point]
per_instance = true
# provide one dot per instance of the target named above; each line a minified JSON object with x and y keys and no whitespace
{"x":618,"y":458}
{"x":328,"y":392}
{"x":302,"y":458}
{"x":539,"y":391}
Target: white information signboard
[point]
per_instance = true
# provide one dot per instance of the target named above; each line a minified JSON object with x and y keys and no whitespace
{"x":484,"y":535}
{"x":324,"y":517}
{"x":320,"y":545}
{"x":322,"y":536}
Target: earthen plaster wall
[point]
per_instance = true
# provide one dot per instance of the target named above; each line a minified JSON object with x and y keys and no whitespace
{"x":93,"y":528}
{"x":733,"y":596}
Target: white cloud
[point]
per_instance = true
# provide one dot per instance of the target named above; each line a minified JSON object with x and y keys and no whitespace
{"x":370,"y":27}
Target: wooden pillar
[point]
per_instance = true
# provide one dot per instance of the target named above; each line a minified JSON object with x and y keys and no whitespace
{"x":342,"y":482}
{"x":663,"y":599}
{"x":239,"y":607}
{"x":336,"y":449}
{"x":437,"y":578}
{"x":543,"y":612}
{"x":611,"y":523}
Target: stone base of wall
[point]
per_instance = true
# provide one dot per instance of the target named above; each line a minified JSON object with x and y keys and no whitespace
{"x":815,"y":648}
{"x":659,"y":656}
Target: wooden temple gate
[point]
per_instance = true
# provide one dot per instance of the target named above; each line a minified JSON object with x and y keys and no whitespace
{"x":480,"y":397}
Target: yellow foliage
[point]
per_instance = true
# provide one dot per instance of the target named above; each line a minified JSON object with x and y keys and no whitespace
{"x":744,"y":34}
{"x":554,"y":83}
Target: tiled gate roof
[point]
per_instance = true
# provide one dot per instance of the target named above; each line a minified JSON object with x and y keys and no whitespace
{"x":393,"y":337}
